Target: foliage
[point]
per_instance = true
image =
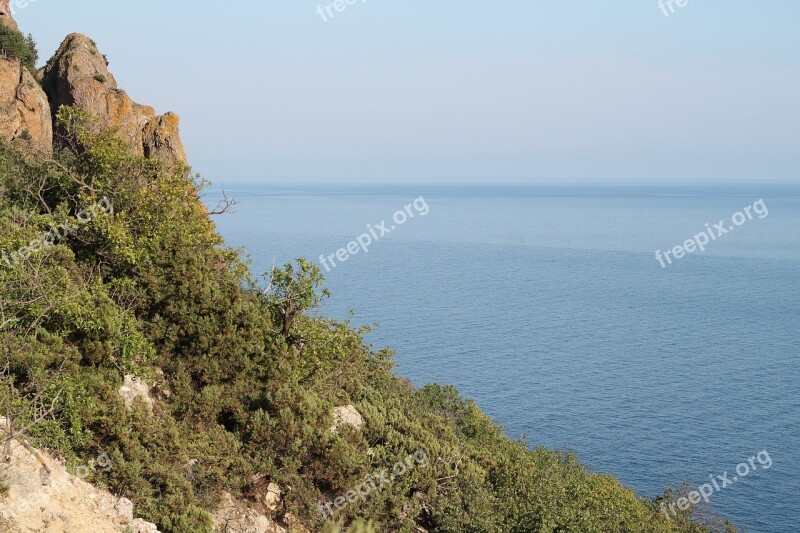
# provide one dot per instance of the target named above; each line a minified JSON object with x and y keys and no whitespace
{"x":294,"y":293}
{"x":13,"y":44}
{"x":245,"y":382}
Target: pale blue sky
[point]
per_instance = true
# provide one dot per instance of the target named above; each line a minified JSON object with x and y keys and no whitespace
{"x":591,"y":89}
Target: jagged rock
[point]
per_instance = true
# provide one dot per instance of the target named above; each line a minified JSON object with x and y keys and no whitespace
{"x":267,"y":493}
{"x":142,"y":526}
{"x":63,"y":503}
{"x":346,"y":414}
{"x":272,"y":498}
{"x":236,"y":517}
{"x":161,"y":139}
{"x":6,"y":15}
{"x":134,"y":388}
{"x":78,"y":75}
{"x":24,"y":109}
{"x":124,"y":508}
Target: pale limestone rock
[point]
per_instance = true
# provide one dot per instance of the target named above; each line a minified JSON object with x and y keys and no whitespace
{"x":124,"y":508}
{"x":134,"y":388}
{"x":142,"y":526}
{"x":235,"y":517}
{"x":346,"y":414}
{"x":63,"y":503}
{"x":272,"y":498}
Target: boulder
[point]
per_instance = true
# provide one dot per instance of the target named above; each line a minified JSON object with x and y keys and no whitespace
{"x":24,"y":109}
{"x":346,"y":414}
{"x":272,"y":498}
{"x":237,"y":517}
{"x":142,"y":526}
{"x":134,"y":388}
{"x":124,"y":508}
{"x":78,"y":75}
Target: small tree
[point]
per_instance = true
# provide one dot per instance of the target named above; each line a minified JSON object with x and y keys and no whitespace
{"x":292,"y":293}
{"x":14,"y":45}
{"x":32,"y":52}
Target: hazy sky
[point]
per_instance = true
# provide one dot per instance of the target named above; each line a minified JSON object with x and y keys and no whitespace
{"x":597,"y":89}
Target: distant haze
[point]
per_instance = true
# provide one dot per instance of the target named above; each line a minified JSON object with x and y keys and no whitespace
{"x":568,"y":89}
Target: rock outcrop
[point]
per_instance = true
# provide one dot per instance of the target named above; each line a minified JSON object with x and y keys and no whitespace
{"x":136,"y":388}
{"x":43,"y":496}
{"x":78,"y":75}
{"x":237,"y":517}
{"x":6,"y":15}
{"x":24,"y":109}
{"x":273,"y":496}
{"x":346,"y":414}
{"x":161,"y":139}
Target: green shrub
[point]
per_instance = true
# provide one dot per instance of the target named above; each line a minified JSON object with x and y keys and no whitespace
{"x":192,"y":521}
{"x":14,"y":45}
{"x":100,"y":78}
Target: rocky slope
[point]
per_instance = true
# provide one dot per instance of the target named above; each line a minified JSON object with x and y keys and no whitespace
{"x":78,"y":75}
{"x":37,"y":491}
{"x":44,"y":496}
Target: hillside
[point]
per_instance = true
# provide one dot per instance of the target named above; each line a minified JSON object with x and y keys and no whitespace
{"x":139,"y":352}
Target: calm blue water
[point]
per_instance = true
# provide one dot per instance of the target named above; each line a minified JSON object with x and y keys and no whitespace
{"x":547,"y":306}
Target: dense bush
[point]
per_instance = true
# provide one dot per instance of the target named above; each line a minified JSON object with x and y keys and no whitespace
{"x":14,"y":45}
{"x":245,"y":382}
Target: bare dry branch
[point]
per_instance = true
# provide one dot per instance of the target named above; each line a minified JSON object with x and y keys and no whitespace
{"x":224,"y":205}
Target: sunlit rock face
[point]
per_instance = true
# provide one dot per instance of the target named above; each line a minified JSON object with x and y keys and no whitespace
{"x":6,"y":16}
{"x":24,"y":109}
{"x":78,"y":75}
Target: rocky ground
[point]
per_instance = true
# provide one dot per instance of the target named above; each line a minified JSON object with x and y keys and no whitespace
{"x":43,"y":496}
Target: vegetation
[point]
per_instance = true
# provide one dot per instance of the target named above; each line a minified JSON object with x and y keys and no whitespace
{"x":14,"y":45}
{"x":245,"y":381}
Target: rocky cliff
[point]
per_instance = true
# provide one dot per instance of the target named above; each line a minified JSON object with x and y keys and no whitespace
{"x":24,"y":109}
{"x":78,"y":75}
{"x":5,"y":14}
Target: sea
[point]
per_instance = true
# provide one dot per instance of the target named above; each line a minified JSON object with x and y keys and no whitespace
{"x":546,"y":303}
